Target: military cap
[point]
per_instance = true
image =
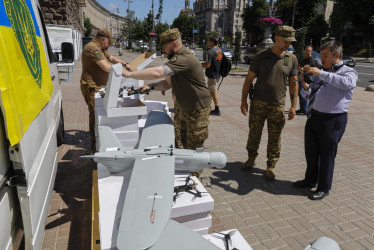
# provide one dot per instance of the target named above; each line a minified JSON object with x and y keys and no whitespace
{"x":169,"y":36}
{"x":104,"y":33}
{"x":287,"y":32}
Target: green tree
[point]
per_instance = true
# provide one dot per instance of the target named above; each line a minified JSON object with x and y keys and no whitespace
{"x":159,"y":28}
{"x":237,"y":49}
{"x":87,"y":26}
{"x":305,"y":10}
{"x":137,"y":29}
{"x":358,"y":13}
{"x":251,"y":13}
{"x":159,"y":14}
{"x":186,"y":24}
{"x":317,"y":29}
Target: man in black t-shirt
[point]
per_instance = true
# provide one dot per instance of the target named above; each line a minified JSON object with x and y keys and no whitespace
{"x":212,"y":66}
{"x":308,"y":60}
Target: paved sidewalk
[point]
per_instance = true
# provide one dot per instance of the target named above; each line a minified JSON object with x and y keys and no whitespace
{"x":269,"y":215}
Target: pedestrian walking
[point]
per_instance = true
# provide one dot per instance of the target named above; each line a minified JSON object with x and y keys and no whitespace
{"x":212,"y":67}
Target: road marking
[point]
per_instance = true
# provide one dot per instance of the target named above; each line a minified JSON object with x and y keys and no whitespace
{"x":365,"y":74}
{"x":365,"y":66}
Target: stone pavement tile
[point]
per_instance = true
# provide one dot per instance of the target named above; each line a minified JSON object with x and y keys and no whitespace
{"x":248,"y":214}
{"x":312,"y":235}
{"x":297,"y":225}
{"x":252,"y":240}
{"x":357,"y":233}
{"x":328,"y":232}
{"x":254,"y":221}
{"x":363,"y":226}
{"x":341,"y":234}
{"x":269,"y":231}
{"x":237,"y":207}
{"x":367,"y":242}
{"x":287,"y":231}
{"x":279,"y":224}
{"x":292,"y":243}
{"x":352,"y":245}
{"x":275,"y":244}
{"x":50,"y":238}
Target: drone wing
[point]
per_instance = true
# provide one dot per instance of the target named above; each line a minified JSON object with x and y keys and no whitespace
{"x":108,"y":139}
{"x":158,"y":130}
{"x":148,"y":203}
{"x":177,"y":236}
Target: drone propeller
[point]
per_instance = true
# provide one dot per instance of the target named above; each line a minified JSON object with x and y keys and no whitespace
{"x":226,"y":238}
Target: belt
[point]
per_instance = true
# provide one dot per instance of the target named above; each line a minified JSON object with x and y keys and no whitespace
{"x":315,"y":112}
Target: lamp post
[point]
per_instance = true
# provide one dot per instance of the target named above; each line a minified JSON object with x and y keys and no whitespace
{"x":293,"y":13}
{"x":153,"y":43}
{"x":129,"y":23}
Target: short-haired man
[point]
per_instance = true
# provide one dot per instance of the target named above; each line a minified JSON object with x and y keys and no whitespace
{"x":212,"y":66}
{"x":96,"y":64}
{"x":308,"y":60}
{"x":184,"y":74}
{"x":331,"y":92}
{"x":273,"y":68}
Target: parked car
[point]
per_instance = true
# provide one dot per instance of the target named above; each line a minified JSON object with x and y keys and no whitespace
{"x":291,"y":49}
{"x":349,"y":61}
{"x":249,"y":54}
{"x":228,"y":53}
{"x":317,"y":57}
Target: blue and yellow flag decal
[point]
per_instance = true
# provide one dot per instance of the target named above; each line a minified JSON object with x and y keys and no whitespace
{"x":25,"y":81}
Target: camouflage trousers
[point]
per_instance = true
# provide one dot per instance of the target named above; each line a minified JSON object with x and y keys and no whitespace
{"x":89,"y":96}
{"x":191,"y":128}
{"x":274,"y":115}
{"x":180,"y":129}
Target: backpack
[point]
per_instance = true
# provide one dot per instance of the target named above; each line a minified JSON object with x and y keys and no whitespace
{"x":225,"y":68}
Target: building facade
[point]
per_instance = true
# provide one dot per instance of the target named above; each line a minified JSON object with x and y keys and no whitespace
{"x":221,"y":16}
{"x":102,"y":18}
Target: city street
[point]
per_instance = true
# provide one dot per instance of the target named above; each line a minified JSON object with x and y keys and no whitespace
{"x":269,"y":215}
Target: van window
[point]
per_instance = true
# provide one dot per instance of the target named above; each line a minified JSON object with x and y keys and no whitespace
{"x":49,"y":48}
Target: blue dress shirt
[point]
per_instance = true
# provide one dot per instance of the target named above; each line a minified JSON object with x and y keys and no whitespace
{"x":334,"y":89}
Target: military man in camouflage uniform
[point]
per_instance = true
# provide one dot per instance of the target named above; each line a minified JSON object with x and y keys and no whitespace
{"x":180,"y":129}
{"x":184,"y":74}
{"x":272,"y":68}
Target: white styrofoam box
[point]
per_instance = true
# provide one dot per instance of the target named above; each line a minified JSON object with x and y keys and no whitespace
{"x":141,"y":122}
{"x":99,"y":100}
{"x":129,"y":144}
{"x":202,"y":231}
{"x":237,"y":240}
{"x":117,"y":124}
{"x":130,"y":82}
{"x":128,"y":135}
{"x":108,"y":223}
{"x":187,"y":204}
{"x":124,"y":109}
{"x":155,"y":105}
{"x":192,"y":217}
{"x":198,"y":223}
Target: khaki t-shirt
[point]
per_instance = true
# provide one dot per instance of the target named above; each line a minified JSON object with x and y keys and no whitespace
{"x":188,"y":81}
{"x":92,"y":74}
{"x":272,"y":74}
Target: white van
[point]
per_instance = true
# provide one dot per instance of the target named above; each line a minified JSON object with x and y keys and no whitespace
{"x":31,"y":124}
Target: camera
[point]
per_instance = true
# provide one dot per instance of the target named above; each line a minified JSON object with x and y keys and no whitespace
{"x":306,"y":77}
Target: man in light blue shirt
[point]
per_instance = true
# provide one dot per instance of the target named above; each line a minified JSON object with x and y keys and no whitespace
{"x":329,"y":92}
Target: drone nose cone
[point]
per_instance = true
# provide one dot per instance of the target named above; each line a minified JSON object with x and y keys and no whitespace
{"x":218,"y":160}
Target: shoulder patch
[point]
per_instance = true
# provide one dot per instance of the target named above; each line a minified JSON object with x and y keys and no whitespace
{"x":173,"y":59}
{"x":97,"y":54}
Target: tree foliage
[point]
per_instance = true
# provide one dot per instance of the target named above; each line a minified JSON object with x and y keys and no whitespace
{"x":258,"y":8}
{"x":305,"y":10}
{"x":358,"y":13}
{"x":186,"y":24}
{"x":87,"y":26}
{"x":317,"y":29}
{"x":237,"y":49}
{"x":159,"y":13}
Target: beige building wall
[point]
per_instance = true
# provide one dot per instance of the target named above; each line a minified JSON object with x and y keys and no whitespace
{"x":221,"y":16}
{"x":102,"y":18}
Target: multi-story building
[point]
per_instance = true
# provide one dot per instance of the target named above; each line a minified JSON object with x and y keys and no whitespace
{"x":222,"y":16}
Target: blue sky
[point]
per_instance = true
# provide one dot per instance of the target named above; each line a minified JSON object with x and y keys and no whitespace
{"x":171,"y":8}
